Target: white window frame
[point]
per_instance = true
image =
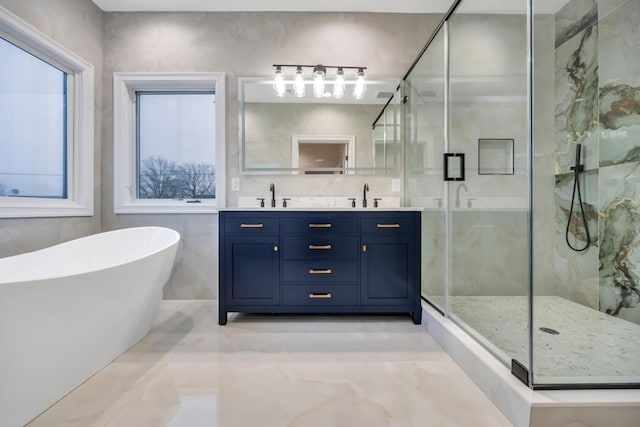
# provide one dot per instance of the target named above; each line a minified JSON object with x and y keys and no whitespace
{"x":125,"y":86}
{"x":80,"y":125}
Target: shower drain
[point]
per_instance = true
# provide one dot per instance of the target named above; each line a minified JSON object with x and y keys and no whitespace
{"x":550,"y":331}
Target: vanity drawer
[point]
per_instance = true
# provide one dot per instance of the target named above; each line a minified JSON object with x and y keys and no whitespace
{"x":320,"y":294}
{"x":252,"y":225}
{"x":320,"y":271}
{"x":320,"y":247}
{"x":388,"y":225}
{"x":320,"y":225}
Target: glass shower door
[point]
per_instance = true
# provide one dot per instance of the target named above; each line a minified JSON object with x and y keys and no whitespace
{"x":424,"y":124}
{"x":488,"y":256}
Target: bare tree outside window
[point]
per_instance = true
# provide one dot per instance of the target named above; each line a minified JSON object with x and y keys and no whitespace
{"x":175,"y":133}
{"x":158,"y":179}
{"x":197,"y":180}
{"x":163,"y":179}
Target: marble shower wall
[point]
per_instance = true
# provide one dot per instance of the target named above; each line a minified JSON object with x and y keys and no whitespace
{"x":77,"y":25}
{"x":576,"y":275}
{"x":242,"y":45}
{"x":598,"y":104}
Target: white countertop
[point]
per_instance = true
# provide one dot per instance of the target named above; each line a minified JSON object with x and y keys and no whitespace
{"x":301,"y":209}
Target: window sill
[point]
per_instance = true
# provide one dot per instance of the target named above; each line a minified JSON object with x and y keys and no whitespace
{"x":42,"y":208}
{"x":164,"y":207}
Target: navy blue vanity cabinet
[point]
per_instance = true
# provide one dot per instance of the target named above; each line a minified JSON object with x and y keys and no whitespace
{"x":390,"y":261}
{"x":249,"y":262}
{"x":289,"y":261}
{"x":320,"y":262}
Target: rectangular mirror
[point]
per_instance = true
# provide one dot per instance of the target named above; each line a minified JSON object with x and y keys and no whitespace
{"x":290,"y":135}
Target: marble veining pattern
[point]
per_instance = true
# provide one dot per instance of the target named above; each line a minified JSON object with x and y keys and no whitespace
{"x":620,"y":234}
{"x":574,"y":17}
{"x":619,"y":103}
{"x":576,"y":273}
{"x":262,"y":370}
{"x":589,"y":191}
{"x":576,"y":99}
{"x":591,"y":346}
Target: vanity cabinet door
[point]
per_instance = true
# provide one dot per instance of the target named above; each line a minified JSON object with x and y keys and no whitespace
{"x":387,"y":270}
{"x":252,"y":270}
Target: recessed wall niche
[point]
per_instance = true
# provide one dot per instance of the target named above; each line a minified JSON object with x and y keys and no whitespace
{"x":495,"y":156}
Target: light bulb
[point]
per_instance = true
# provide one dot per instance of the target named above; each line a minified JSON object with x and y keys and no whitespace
{"x":318,"y":81}
{"x":298,"y":84}
{"x":361,"y":85}
{"x":278,"y":82}
{"x":338,"y":85}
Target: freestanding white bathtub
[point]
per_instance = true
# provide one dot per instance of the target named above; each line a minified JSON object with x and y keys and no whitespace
{"x":68,"y":310}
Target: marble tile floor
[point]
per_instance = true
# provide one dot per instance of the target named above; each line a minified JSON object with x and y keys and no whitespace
{"x":284,"y":370}
{"x":590,"y":346}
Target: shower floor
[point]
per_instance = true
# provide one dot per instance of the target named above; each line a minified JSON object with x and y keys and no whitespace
{"x":589,"y":347}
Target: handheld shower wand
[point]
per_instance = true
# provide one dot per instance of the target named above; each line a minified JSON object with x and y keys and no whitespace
{"x":577,"y":169}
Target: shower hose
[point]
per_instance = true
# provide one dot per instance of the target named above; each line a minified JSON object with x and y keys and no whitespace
{"x":576,"y":190}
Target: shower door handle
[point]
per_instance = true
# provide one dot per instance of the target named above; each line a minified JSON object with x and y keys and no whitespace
{"x":453,"y":166}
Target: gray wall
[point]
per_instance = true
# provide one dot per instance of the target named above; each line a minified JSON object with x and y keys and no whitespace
{"x":77,"y":25}
{"x":239,"y":44}
{"x":269,"y":128}
{"x":245,"y":44}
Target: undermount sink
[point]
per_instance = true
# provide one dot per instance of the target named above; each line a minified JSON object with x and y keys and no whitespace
{"x":319,"y":202}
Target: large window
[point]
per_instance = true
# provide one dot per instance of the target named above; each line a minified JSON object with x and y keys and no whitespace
{"x":46,"y":122}
{"x":169,"y":142}
{"x":33,"y":98}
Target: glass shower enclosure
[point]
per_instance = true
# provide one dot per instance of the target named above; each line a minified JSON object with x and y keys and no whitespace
{"x":521,"y":139}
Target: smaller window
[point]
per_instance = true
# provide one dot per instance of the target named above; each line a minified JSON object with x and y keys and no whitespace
{"x":175,"y":145}
{"x":169,"y":142}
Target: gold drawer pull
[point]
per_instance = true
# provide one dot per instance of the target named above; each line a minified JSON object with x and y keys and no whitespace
{"x":319,"y":225}
{"x":388,"y":225}
{"x":327,"y":295}
{"x":251,"y":225}
{"x":320,"y":271}
{"x":312,"y":247}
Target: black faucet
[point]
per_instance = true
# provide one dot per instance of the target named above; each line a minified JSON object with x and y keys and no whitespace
{"x":272,"y":188}
{"x":364,"y":195}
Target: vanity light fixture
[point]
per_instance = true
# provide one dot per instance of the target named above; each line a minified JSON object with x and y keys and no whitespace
{"x":319,"y":81}
{"x":278,"y":82}
{"x":298,"y":84}
{"x":361,"y":85}
{"x":338,"y":84}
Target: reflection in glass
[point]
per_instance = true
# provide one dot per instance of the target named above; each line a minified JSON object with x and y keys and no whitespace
{"x":268,"y":123}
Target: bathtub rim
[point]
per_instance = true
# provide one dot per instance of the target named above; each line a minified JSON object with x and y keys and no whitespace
{"x":176,"y":237}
